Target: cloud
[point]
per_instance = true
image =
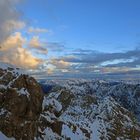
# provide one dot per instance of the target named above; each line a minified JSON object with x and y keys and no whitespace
{"x":12,"y":44}
{"x":96,"y":58}
{"x":42,"y":47}
{"x":9,"y":18}
{"x":35,"y":42}
{"x":93,"y":62}
{"x":60,"y":64}
{"x":55,"y":46}
{"x":21,"y":58}
{"x":133,"y":63}
{"x":18,"y":50}
{"x":37,"y":30}
{"x":13,"y":52}
{"x":37,"y":45}
{"x":13,"y":41}
{"x":12,"y":25}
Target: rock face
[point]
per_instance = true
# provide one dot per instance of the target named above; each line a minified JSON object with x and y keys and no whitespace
{"x":20,"y":103}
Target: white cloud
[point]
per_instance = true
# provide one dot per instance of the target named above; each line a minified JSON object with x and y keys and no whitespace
{"x":12,"y":52}
{"x":38,"y":30}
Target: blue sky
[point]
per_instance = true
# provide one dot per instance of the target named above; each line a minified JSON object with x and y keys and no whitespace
{"x":68,"y":37}
{"x":101,"y":25}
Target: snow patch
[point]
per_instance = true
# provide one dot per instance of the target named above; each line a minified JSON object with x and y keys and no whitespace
{"x":3,"y":137}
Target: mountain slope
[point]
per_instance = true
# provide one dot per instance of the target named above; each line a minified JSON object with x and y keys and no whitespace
{"x":20,"y":103}
{"x":70,"y":110}
{"x":92,"y":112}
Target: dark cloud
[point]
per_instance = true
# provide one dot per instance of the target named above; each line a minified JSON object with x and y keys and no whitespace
{"x":96,"y":58}
{"x":134,"y":63}
{"x":89,"y":62}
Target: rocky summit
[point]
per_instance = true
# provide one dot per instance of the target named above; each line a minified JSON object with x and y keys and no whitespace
{"x":69,"y":110}
{"x":20,"y":103}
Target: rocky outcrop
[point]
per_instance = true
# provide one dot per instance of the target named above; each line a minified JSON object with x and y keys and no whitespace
{"x":20,"y":104}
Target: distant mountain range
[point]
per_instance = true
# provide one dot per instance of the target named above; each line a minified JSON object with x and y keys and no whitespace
{"x":75,"y":109}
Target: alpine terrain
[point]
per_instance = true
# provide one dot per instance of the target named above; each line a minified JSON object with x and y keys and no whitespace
{"x":72,"y":109}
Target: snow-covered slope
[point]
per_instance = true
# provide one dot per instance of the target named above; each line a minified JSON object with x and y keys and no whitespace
{"x":88,"y":110}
